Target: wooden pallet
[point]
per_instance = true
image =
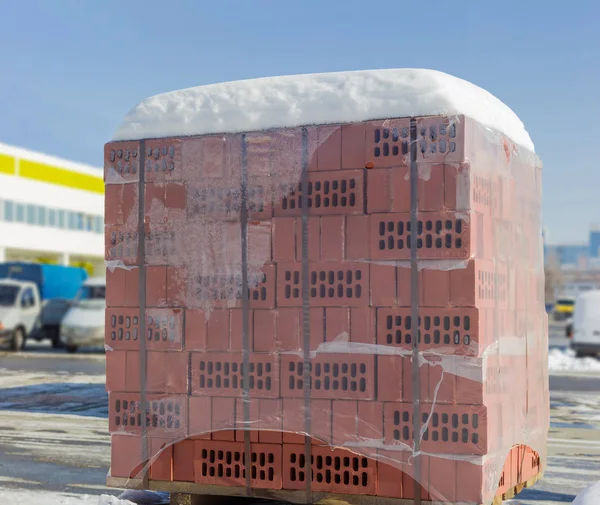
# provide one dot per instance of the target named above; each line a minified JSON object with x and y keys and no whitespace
{"x":189,"y":493}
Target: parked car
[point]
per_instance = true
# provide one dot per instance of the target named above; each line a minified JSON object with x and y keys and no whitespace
{"x":47,"y":325}
{"x":586,"y":324}
{"x":25,"y":288}
{"x":83,"y":325}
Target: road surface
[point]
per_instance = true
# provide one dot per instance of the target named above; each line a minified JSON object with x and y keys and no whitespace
{"x":53,"y":430}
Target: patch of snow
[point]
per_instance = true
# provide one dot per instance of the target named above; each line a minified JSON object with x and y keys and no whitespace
{"x":339,"y":97}
{"x":589,"y":496}
{"x":566,"y":361}
{"x":27,"y":497}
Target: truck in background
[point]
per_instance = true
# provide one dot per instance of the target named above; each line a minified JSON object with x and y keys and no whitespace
{"x":28,"y":288}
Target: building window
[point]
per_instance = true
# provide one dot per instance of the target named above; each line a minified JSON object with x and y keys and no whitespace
{"x":9,"y":211}
{"x":89,"y":223}
{"x":72,"y":224}
{"x":99,"y":222}
{"x":31,"y":211}
{"x":20,"y":213}
{"x":52,"y":217}
{"x":41,"y":216}
{"x":80,"y":220}
{"x":62,"y":220}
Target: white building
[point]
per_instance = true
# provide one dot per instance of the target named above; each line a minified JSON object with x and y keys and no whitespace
{"x":51,"y":210}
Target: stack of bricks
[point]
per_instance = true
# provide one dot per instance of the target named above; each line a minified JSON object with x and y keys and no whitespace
{"x":483,"y":404}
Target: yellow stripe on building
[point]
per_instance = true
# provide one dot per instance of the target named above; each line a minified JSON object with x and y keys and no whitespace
{"x":7,"y":164}
{"x":60,"y":176}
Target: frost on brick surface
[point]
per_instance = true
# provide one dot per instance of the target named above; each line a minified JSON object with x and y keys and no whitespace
{"x":341,"y":97}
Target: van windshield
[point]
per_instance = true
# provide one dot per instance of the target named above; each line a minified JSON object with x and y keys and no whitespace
{"x":566,"y":303}
{"x":92,"y":293}
{"x":8,"y":295}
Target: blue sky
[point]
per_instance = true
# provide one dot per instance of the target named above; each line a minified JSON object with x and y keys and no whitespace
{"x":71,"y":69}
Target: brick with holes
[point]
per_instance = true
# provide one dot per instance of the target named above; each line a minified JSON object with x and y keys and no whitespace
{"x":220,"y":374}
{"x":329,"y":193}
{"x":340,"y":376}
{"x":388,"y":143}
{"x":446,"y":330}
{"x":441,"y":139}
{"x":121,"y":244}
{"x":334,"y":470}
{"x":480,"y":283}
{"x":166,"y":415}
{"x":332,"y":284}
{"x":397,"y":472}
{"x":163,"y":160}
{"x":223,"y":464}
{"x":121,"y":162}
{"x":440,"y":235}
{"x":452,"y":429}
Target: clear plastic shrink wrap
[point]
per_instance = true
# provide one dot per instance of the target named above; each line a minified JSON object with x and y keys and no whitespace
{"x":326,"y":285}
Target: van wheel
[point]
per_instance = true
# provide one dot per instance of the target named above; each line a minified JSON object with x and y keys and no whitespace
{"x":71,"y":349}
{"x":18,"y":341}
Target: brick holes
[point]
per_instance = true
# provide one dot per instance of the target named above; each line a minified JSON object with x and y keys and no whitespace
{"x":160,"y":159}
{"x":388,"y":142}
{"x":124,"y":327}
{"x":326,"y":284}
{"x":438,"y":138}
{"x":211,"y":201}
{"x":229,"y":375}
{"x":330,"y":376}
{"x":433,"y":330}
{"x":431,"y":234}
{"x":336,"y":193}
{"x":456,"y":428}
{"x":164,"y":414}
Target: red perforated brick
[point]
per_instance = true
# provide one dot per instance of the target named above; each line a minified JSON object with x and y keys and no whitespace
{"x":362,"y":325}
{"x":481,"y":284}
{"x":121,"y":244}
{"x":440,"y":235}
{"x":164,"y":328}
{"x":330,"y":284}
{"x":390,"y":374}
{"x":270,"y":422}
{"x":379,"y":190}
{"x":223,"y":419}
{"x":337,"y":324}
{"x":223,"y":463}
{"x":453,"y":429}
{"x":222,"y":290}
{"x":388,"y":142}
{"x":195,"y":330}
{"x":454,"y":330}
{"x":121,"y":162}
{"x":434,"y":287}
{"x":441,"y":139}
{"x":116,"y":362}
{"x":163,"y":244}
{"x":341,"y":376}
{"x":221,"y":200}
{"x":265,"y":330}
{"x":163,"y":160}
{"x":245,"y":427}
{"x":132,"y":287}
{"x":328,"y":193}
{"x":166,"y":415}
{"x":333,"y":470}
{"x":353,"y":145}
{"x":200,"y":416}
{"x":220,"y":374}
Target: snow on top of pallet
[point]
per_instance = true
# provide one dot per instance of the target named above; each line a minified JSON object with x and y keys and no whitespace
{"x":294,"y":100}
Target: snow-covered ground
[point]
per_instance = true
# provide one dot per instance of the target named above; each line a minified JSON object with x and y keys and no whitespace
{"x":564,"y":360}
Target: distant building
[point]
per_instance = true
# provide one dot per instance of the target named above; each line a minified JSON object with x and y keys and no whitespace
{"x":567,"y":254}
{"x":594,"y":248}
{"x":51,"y":210}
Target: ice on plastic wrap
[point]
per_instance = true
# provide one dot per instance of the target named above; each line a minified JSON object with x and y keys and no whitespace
{"x":309,"y":299}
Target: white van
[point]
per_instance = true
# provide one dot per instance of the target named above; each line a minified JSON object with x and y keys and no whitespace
{"x":586,"y":324}
{"x":83,"y":324}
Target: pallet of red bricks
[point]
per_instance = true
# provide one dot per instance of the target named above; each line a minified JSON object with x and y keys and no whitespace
{"x":326,"y":285}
